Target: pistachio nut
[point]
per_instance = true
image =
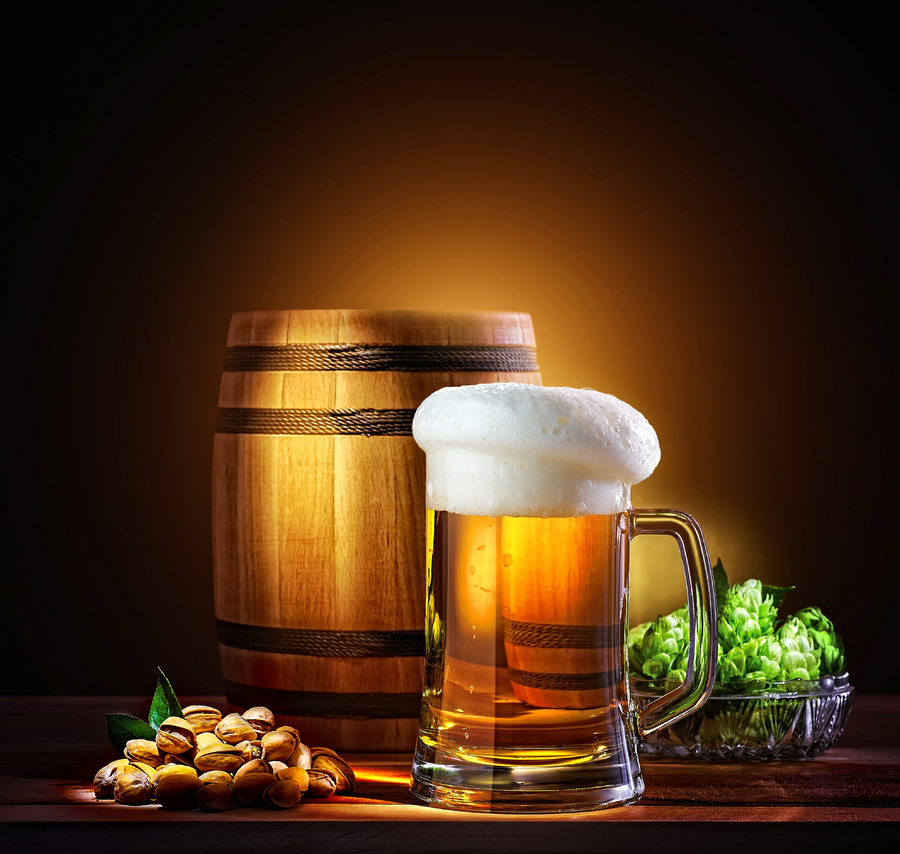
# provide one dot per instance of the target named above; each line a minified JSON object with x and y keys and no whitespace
{"x":133,"y":786}
{"x":175,"y":736}
{"x":218,"y":757}
{"x":186,"y":759}
{"x":205,"y":739}
{"x":173,"y":770}
{"x":301,"y":757}
{"x":233,"y":729}
{"x":254,"y":766}
{"x":260,"y":718}
{"x":149,"y":770}
{"x":178,"y":791}
{"x":248,"y":788}
{"x":325,"y":759}
{"x":322,"y":783}
{"x":202,"y":718}
{"x":278,"y":745}
{"x":105,"y":778}
{"x":143,"y":750}
{"x":278,"y":766}
{"x":208,"y":777}
{"x":215,"y":797}
{"x":250,"y":750}
{"x":299,"y":775}
{"x":282,"y":795}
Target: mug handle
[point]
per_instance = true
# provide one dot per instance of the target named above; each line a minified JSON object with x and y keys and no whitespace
{"x":704,"y":639}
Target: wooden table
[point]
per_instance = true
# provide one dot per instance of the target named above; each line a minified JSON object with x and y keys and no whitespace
{"x":845,"y":800}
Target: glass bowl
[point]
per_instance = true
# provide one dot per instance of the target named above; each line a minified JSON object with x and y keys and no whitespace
{"x":799,"y":719}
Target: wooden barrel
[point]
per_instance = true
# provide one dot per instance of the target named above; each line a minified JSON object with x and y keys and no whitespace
{"x":319,"y":508}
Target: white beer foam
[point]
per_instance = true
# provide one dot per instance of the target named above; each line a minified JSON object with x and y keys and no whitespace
{"x":511,"y":449}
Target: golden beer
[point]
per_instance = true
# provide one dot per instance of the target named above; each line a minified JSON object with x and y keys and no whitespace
{"x":526,"y":655}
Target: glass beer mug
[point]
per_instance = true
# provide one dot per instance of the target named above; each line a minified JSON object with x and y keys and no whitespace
{"x":526,"y":705}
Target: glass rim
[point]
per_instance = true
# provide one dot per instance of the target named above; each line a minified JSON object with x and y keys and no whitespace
{"x":751,"y":689}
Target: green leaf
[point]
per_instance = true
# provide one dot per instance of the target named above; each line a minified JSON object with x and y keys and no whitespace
{"x":722,"y":585}
{"x":165,"y":704}
{"x":122,"y":728}
{"x":777,"y":594}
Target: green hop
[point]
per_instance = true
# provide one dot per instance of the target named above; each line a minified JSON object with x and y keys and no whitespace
{"x":823,"y":637}
{"x":746,"y":614}
{"x":752,"y":646}
{"x":655,"y":648}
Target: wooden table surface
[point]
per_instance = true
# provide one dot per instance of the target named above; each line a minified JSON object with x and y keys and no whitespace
{"x":845,"y":800}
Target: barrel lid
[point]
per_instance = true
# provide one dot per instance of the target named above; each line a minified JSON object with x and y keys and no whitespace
{"x":400,"y":326}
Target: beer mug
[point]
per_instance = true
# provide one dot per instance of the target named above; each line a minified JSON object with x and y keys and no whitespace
{"x":526,"y":704}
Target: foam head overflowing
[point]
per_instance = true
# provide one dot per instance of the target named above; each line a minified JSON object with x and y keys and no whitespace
{"x":510,"y":449}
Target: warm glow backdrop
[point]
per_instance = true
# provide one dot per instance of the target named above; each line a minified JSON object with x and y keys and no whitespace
{"x":696,"y":204}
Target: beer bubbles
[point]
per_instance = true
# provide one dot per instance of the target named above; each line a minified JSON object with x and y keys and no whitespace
{"x":511,"y":449}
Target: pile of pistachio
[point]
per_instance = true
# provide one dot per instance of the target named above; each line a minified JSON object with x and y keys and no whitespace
{"x":215,"y":763}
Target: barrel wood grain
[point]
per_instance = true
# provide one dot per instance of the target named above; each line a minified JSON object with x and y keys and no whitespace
{"x":326,"y":532}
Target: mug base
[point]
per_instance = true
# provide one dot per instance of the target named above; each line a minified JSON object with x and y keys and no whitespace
{"x":530,"y":791}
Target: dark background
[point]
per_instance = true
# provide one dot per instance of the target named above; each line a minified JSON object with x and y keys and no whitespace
{"x":697,"y":203}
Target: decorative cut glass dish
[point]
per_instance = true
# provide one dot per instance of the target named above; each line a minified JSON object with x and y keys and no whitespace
{"x":800,"y":719}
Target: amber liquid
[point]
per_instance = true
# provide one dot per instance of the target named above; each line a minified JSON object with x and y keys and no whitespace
{"x":525,"y":704}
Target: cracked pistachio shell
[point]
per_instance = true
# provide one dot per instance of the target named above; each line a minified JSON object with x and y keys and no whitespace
{"x":322,"y":783}
{"x":299,"y":775}
{"x":325,"y":759}
{"x":186,"y":759}
{"x":149,"y":770}
{"x":205,"y":739}
{"x":282,"y":795}
{"x":175,"y":736}
{"x":105,"y":778}
{"x":278,"y":745}
{"x":202,"y":718}
{"x":301,"y":756}
{"x":277,"y":766}
{"x":215,"y":797}
{"x":260,"y":718}
{"x":143,"y":750}
{"x":233,"y":729}
{"x":292,"y":730}
{"x":219,"y":757}
{"x":248,"y":788}
{"x":254,"y":766}
{"x":208,"y":777}
{"x":133,"y":786}
{"x":250,"y":750}
{"x":178,"y":791}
